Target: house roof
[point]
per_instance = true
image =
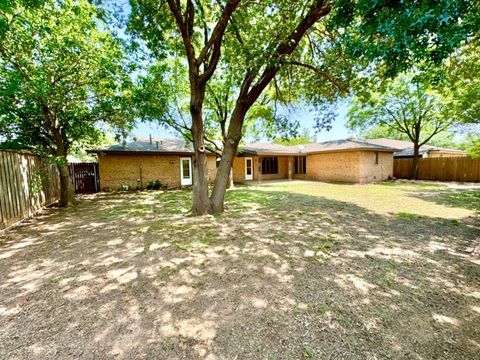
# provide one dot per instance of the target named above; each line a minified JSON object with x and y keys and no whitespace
{"x":313,"y":148}
{"x":391,"y":143}
{"x":269,"y":149}
{"x":345,"y":145}
{"x":144,"y":145}
{"x":179,"y":146}
{"x":406,"y":147}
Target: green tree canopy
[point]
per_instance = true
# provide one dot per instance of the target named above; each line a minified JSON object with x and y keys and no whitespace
{"x":62,"y":79}
{"x":406,"y":107}
{"x":442,"y":139}
{"x":472,"y":144}
{"x":461,"y":86}
{"x":304,"y":137}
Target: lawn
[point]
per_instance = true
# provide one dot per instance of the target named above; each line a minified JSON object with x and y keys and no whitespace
{"x":293,"y":270}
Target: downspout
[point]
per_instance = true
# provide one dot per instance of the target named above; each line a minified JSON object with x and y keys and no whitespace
{"x":141,"y":175}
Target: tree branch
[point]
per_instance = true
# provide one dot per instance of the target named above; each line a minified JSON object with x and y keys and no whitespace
{"x":320,"y":73}
{"x":286,"y":48}
{"x":214,"y":44}
{"x":184,"y":30}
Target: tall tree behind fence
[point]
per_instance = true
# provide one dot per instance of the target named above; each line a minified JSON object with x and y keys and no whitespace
{"x":440,"y":168}
{"x":27,"y":182}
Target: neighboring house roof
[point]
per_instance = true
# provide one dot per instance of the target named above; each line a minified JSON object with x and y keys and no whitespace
{"x":425,"y":150}
{"x":406,"y":147}
{"x":144,"y":145}
{"x":313,"y":148}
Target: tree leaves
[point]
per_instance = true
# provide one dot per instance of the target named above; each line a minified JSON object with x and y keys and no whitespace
{"x":405,"y":107}
{"x":60,"y":73}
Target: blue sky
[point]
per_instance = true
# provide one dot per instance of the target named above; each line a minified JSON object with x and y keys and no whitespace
{"x":338,"y":131}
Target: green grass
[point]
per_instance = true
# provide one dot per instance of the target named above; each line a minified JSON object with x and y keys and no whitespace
{"x":434,"y":200}
{"x":468,"y":199}
{"x":309,"y":352}
{"x":405,"y":200}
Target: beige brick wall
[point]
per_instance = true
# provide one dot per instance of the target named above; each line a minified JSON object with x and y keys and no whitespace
{"x":347,"y":166}
{"x":212,"y":168}
{"x":371,"y":172}
{"x":337,"y":166}
{"x":239,"y":169}
{"x":116,"y":170}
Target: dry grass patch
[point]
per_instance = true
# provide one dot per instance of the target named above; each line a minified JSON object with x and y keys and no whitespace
{"x":289,"y":271}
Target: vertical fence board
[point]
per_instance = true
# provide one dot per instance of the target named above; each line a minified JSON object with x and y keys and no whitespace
{"x":441,"y":168}
{"x":8,"y":188}
{"x":3,"y":193}
{"x":27,"y":183}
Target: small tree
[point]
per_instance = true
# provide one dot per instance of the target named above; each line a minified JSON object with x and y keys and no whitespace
{"x":61,"y":79}
{"x":405,"y":107}
{"x":443,"y":139}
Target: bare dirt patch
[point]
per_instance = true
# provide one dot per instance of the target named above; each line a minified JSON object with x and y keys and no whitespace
{"x":285,"y":273}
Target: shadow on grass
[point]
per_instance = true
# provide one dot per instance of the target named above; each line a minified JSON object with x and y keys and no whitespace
{"x":465,"y":198}
{"x":279,"y":275}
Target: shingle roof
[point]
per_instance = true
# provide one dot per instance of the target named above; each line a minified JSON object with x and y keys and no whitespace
{"x":394,"y":144}
{"x":327,"y":146}
{"x":426,"y":149}
{"x":345,"y":145}
{"x":172,"y":145}
{"x":273,"y":149}
{"x":161,"y":145}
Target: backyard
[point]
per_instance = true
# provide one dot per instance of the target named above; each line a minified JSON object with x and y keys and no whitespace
{"x":291,"y":270}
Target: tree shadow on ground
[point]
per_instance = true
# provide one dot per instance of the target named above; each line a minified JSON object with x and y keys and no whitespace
{"x":279,"y":275}
{"x":467,"y":199}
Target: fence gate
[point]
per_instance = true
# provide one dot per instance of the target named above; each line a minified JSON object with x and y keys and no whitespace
{"x":85,"y":177}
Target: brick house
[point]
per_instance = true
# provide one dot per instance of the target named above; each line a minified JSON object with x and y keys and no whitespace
{"x":145,"y":160}
{"x":170,"y":161}
{"x":340,"y":160}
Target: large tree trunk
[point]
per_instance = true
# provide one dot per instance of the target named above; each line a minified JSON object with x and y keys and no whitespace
{"x":414,"y":169}
{"x":222,"y":179}
{"x":200,"y":199}
{"x":67,"y":193}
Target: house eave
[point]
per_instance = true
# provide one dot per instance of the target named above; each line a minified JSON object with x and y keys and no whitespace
{"x":350,"y":150}
{"x":148,"y":152}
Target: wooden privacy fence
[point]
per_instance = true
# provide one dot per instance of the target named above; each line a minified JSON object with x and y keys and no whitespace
{"x":27,"y":182}
{"x":440,"y":168}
